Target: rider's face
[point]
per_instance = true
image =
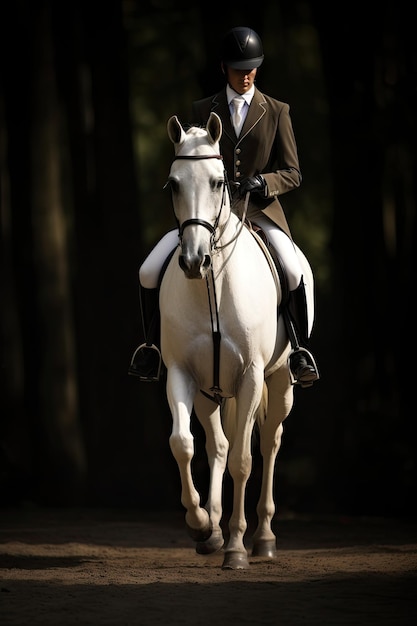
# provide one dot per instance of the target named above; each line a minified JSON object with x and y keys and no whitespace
{"x":240,"y":80}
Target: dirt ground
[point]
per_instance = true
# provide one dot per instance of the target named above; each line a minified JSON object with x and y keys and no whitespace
{"x":126,"y":568}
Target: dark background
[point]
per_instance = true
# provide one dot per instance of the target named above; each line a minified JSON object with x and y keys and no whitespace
{"x":86,"y":91}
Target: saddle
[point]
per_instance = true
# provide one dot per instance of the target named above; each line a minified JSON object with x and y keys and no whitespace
{"x":274,"y":260}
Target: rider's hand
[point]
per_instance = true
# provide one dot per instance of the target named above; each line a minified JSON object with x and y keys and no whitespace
{"x":252,"y":183}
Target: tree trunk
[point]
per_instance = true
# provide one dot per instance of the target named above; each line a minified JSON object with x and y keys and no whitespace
{"x":61,"y":451}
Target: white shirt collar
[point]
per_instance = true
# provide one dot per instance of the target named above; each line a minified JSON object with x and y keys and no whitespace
{"x":231,"y":93}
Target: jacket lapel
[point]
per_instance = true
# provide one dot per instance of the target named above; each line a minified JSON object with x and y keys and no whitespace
{"x":256,"y":112}
{"x":221,"y":107}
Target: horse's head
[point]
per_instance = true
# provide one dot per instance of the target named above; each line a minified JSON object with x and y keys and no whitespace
{"x":199,"y":191}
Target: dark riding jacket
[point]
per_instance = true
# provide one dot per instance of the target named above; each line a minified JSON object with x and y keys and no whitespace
{"x":266,"y":146}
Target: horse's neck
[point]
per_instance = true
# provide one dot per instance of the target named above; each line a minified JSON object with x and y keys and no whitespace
{"x":231,"y":228}
{"x":227,"y":245}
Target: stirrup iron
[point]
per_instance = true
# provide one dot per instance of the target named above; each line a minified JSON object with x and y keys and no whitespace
{"x":310,"y":360}
{"x":133,"y":371}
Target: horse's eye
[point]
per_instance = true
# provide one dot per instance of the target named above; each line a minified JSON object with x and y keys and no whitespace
{"x":217,"y":184}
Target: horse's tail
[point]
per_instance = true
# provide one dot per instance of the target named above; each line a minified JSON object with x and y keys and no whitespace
{"x":229,"y":414}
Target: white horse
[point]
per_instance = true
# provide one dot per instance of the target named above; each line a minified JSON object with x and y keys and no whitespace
{"x":224,"y":347}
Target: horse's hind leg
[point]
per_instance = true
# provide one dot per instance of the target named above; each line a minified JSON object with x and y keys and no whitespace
{"x":217,"y":447}
{"x":240,"y":465}
{"x":279,"y":405}
{"x":264,"y":540}
{"x":180,"y":394}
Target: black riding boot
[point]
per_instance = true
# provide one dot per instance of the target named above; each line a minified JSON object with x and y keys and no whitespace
{"x":146,"y":361}
{"x":302,"y":364}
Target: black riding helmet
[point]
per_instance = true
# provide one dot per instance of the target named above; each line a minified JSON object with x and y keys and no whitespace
{"x":242,"y":49}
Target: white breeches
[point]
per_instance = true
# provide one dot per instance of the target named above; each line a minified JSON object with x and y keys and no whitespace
{"x":285,"y":248}
{"x":150,"y":269}
{"x":152,"y":265}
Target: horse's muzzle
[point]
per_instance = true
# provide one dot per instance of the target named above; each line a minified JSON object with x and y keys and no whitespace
{"x":195,"y":266}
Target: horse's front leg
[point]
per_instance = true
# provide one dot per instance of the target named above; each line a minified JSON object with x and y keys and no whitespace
{"x":180,"y":394}
{"x":217,"y":447}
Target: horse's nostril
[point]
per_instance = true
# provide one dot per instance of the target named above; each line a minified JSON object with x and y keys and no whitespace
{"x":181,"y":262}
{"x":207,"y":261}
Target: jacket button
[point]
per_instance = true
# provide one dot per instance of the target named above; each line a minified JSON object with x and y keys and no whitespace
{"x":237,"y":163}
{"x":238,"y":150}
{"x":237,"y":174}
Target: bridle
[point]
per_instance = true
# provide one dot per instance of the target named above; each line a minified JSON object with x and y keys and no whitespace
{"x":211,"y":285}
{"x":212,"y":228}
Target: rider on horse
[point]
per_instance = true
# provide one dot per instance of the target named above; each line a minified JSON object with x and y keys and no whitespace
{"x":260,"y":158}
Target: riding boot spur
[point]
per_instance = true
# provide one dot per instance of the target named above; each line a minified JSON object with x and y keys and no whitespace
{"x":146,"y":362}
{"x":302,"y":364}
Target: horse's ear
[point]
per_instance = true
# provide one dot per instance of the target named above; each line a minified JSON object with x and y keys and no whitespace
{"x":214,"y":127}
{"x":175,"y":131}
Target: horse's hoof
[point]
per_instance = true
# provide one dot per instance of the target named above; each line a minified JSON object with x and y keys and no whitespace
{"x":213,"y":544}
{"x":266,"y":548}
{"x":200,"y":534}
{"x":235,"y":560}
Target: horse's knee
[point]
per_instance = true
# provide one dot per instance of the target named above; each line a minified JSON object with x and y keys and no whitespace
{"x":240,"y":467}
{"x":182,"y":447}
